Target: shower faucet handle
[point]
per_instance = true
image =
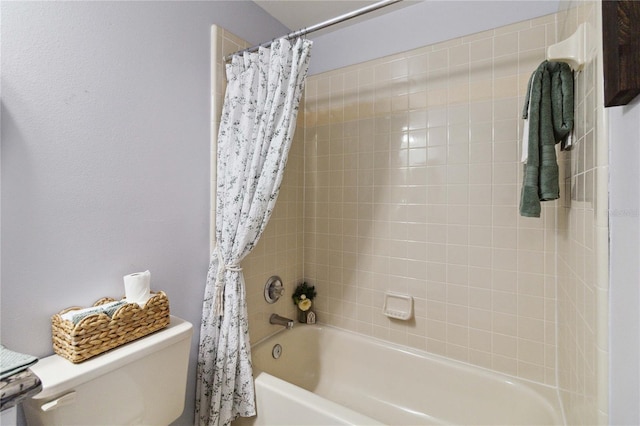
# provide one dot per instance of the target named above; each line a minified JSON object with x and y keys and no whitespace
{"x":273,"y":289}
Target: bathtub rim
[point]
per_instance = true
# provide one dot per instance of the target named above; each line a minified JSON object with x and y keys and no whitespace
{"x":340,"y":414}
{"x":549,"y":393}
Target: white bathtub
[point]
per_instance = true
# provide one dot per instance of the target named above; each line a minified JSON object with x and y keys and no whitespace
{"x":327,"y":376}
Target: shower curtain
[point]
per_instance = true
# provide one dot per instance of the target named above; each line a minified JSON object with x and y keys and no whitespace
{"x":256,"y":129}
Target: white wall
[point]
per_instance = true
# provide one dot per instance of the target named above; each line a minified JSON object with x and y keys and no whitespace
{"x":624,"y":223}
{"x":105,"y":155}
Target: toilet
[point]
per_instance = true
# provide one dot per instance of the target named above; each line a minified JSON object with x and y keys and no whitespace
{"x":140,"y":383}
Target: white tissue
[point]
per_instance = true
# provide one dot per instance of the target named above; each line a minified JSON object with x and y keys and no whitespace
{"x":137,"y":287}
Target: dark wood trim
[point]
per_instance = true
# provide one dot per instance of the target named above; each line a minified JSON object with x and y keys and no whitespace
{"x":621,"y":45}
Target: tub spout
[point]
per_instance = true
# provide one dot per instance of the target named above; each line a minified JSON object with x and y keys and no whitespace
{"x":278,"y":320}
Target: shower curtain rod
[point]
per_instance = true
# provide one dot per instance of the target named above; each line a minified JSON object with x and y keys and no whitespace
{"x":320,"y":26}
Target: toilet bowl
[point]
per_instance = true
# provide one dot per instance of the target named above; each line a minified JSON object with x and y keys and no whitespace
{"x":140,"y":383}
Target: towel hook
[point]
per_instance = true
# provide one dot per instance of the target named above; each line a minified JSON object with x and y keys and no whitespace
{"x":572,"y":50}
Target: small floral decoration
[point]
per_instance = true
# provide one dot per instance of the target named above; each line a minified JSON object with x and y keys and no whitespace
{"x":303,"y":296}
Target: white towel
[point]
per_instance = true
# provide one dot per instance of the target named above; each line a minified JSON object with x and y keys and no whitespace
{"x":567,"y":144}
{"x":108,"y":309}
{"x":525,"y":141}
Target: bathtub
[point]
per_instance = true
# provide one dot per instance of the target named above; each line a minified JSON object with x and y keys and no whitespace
{"x":328,"y":376}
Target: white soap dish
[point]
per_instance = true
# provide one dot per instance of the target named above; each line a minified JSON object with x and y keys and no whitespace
{"x":398,"y":306}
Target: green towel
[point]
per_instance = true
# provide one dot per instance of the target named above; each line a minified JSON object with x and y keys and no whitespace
{"x":549,"y":107}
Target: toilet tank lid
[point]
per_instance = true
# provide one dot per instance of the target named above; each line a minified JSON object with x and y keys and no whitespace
{"x":59,"y":375}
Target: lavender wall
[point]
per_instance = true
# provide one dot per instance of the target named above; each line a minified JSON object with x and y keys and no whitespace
{"x":105,"y":155}
{"x":624,"y":225}
{"x":416,"y":25}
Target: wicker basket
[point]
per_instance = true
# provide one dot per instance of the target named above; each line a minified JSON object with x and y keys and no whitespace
{"x":98,"y":333}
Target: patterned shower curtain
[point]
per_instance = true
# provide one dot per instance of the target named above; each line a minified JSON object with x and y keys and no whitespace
{"x":256,"y":129}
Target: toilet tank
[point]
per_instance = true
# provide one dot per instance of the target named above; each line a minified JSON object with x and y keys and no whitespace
{"x":140,"y":383}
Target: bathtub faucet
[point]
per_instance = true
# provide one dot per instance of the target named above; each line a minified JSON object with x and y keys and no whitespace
{"x":278,"y":320}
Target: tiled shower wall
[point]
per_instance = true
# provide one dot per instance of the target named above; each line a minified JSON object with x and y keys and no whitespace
{"x":583,"y":259}
{"x":412,"y":181}
{"x":406,"y":178}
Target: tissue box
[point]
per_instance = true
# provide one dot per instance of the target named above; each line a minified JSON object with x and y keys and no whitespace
{"x":96,"y":334}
